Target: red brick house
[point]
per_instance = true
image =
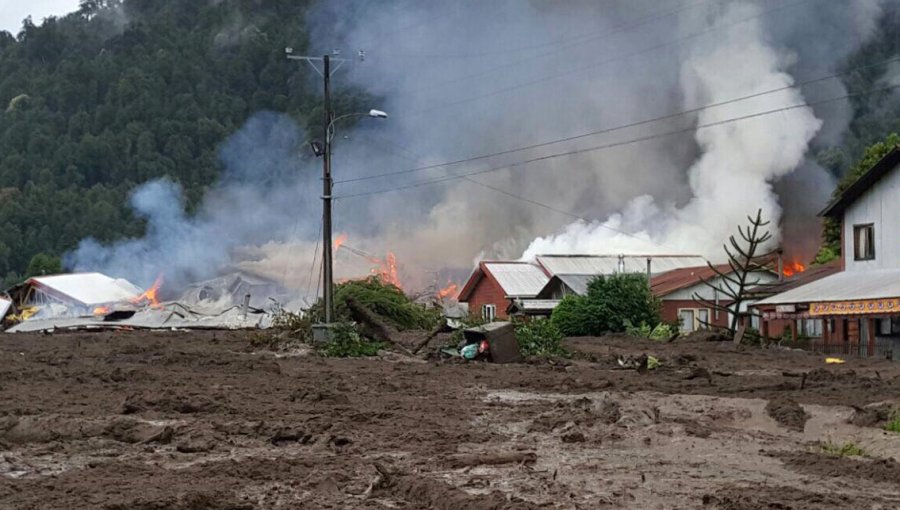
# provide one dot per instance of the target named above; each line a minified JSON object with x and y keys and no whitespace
{"x":494,"y":285}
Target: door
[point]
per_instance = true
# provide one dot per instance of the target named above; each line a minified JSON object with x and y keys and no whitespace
{"x":687,"y":320}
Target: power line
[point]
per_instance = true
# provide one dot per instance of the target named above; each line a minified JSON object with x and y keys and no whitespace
{"x":619,"y":144}
{"x":615,"y":128}
{"x":593,"y":65}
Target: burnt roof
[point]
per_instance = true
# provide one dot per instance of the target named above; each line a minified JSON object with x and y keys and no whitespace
{"x":837,"y":207}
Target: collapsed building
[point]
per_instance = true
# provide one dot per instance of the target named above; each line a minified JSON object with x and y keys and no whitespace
{"x":96,"y":301}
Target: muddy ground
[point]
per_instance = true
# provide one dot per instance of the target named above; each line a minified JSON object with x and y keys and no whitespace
{"x":137,"y":420}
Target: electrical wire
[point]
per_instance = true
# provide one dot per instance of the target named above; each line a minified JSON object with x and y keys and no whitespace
{"x":313,"y":265}
{"x":615,"y":128}
{"x":619,"y":144}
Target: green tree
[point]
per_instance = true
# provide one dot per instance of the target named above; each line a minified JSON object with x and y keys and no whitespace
{"x":42,"y":264}
{"x":610,"y":304}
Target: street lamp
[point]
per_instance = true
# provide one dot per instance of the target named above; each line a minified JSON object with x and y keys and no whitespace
{"x":327,"y":270}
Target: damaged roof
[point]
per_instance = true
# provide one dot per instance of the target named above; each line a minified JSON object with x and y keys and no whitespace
{"x":88,"y":289}
{"x":812,"y":274}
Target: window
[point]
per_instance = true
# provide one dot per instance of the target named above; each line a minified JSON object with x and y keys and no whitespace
{"x":687,"y":320}
{"x":864,"y":242}
{"x":693,"y":319}
{"x":489,"y":312}
{"x":810,"y":328}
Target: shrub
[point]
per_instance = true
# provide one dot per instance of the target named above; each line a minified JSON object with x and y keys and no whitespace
{"x":384,"y":300}
{"x":610,"y":303}
{"x":848,"y":449}
{"x":540,"y":338}
{"x":345,"y":342}
{"x":893,"y":425}
{"x":661,"y":332}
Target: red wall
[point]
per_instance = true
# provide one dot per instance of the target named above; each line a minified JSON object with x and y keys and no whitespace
{"x":488,"y":291}
{"x":670,"y":311}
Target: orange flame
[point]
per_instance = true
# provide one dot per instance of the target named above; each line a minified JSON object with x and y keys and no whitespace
{"x":387,"y":270}
{"x":102,"y":310}
{"x":341,"y":239}
{"x":448,"y":291}
{"x":151,"y":295}
{"x":792,"y":268}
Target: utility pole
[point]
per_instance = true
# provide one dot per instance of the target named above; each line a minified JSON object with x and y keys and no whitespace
{"x":327,"y":187}
{"x":327,"y":181}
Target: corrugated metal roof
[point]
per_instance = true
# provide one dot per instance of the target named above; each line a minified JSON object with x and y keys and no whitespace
{"x":577,"y":282}
{"x":537,"y":304}
{"x":89,"y":288}
{"x":844,"y":286}
{"x":609,"y":264}
{"x":518,"y":279}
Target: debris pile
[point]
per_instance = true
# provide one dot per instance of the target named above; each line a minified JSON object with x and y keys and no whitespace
{"x":97,"y":301}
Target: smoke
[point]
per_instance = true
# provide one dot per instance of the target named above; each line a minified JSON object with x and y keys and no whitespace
{"x":469,"y":78}
{"x":738,"y":161}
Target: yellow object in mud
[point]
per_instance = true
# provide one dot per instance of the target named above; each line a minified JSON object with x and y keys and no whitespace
{"x":833,"y":361}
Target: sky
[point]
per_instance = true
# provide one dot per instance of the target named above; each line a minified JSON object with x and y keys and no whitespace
{"x":12,"y":12}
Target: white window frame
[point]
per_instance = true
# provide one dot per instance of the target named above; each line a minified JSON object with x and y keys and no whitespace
{"x":489,"y":312}
{"x":697,"y":325}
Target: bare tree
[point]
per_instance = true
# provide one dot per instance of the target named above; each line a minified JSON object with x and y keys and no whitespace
{"x":743,"y":261}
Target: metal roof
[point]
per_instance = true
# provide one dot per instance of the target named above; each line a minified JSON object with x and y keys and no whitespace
{"x":884,"y":166}
{"x":518,"y":279}
{"x":843,"y":286}
{"x":88,"y":288}
{"x":685,"y":277}
{"x":609,"y":264}
{"x":531,"y":305}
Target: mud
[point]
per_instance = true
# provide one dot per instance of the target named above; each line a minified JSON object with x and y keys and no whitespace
{"x":213,"y":420}
{"x":788,"y":413}
{"x":879,"y":470}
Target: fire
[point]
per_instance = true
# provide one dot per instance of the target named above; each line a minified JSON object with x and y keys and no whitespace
{"x":102,"y":310}
{"x":448,"y":291}
{"x":151,"y":295}
{"x":341,"y":239}
{"x":792,"y":268}
{"x":387,"y":270}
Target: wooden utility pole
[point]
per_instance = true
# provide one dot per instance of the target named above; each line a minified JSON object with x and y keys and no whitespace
{"x":327,"y":181}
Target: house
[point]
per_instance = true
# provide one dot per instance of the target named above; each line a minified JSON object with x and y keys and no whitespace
{"x":776,"y":327}
{"x":860,"y":305}
{"x":570,"y":275}
{"x":678,"y":288}
{"x":494,"y":285}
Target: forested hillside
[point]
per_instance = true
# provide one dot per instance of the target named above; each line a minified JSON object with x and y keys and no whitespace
{"x":122,"y":92}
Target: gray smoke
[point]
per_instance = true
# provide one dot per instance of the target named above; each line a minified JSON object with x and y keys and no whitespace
{"x":467,"y":78}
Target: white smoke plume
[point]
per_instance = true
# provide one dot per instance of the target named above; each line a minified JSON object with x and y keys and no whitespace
{"x":738,"y":161}
{"x":468,"y":78}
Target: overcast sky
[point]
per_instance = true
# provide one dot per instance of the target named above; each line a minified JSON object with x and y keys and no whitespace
{"x":12,"y":12}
